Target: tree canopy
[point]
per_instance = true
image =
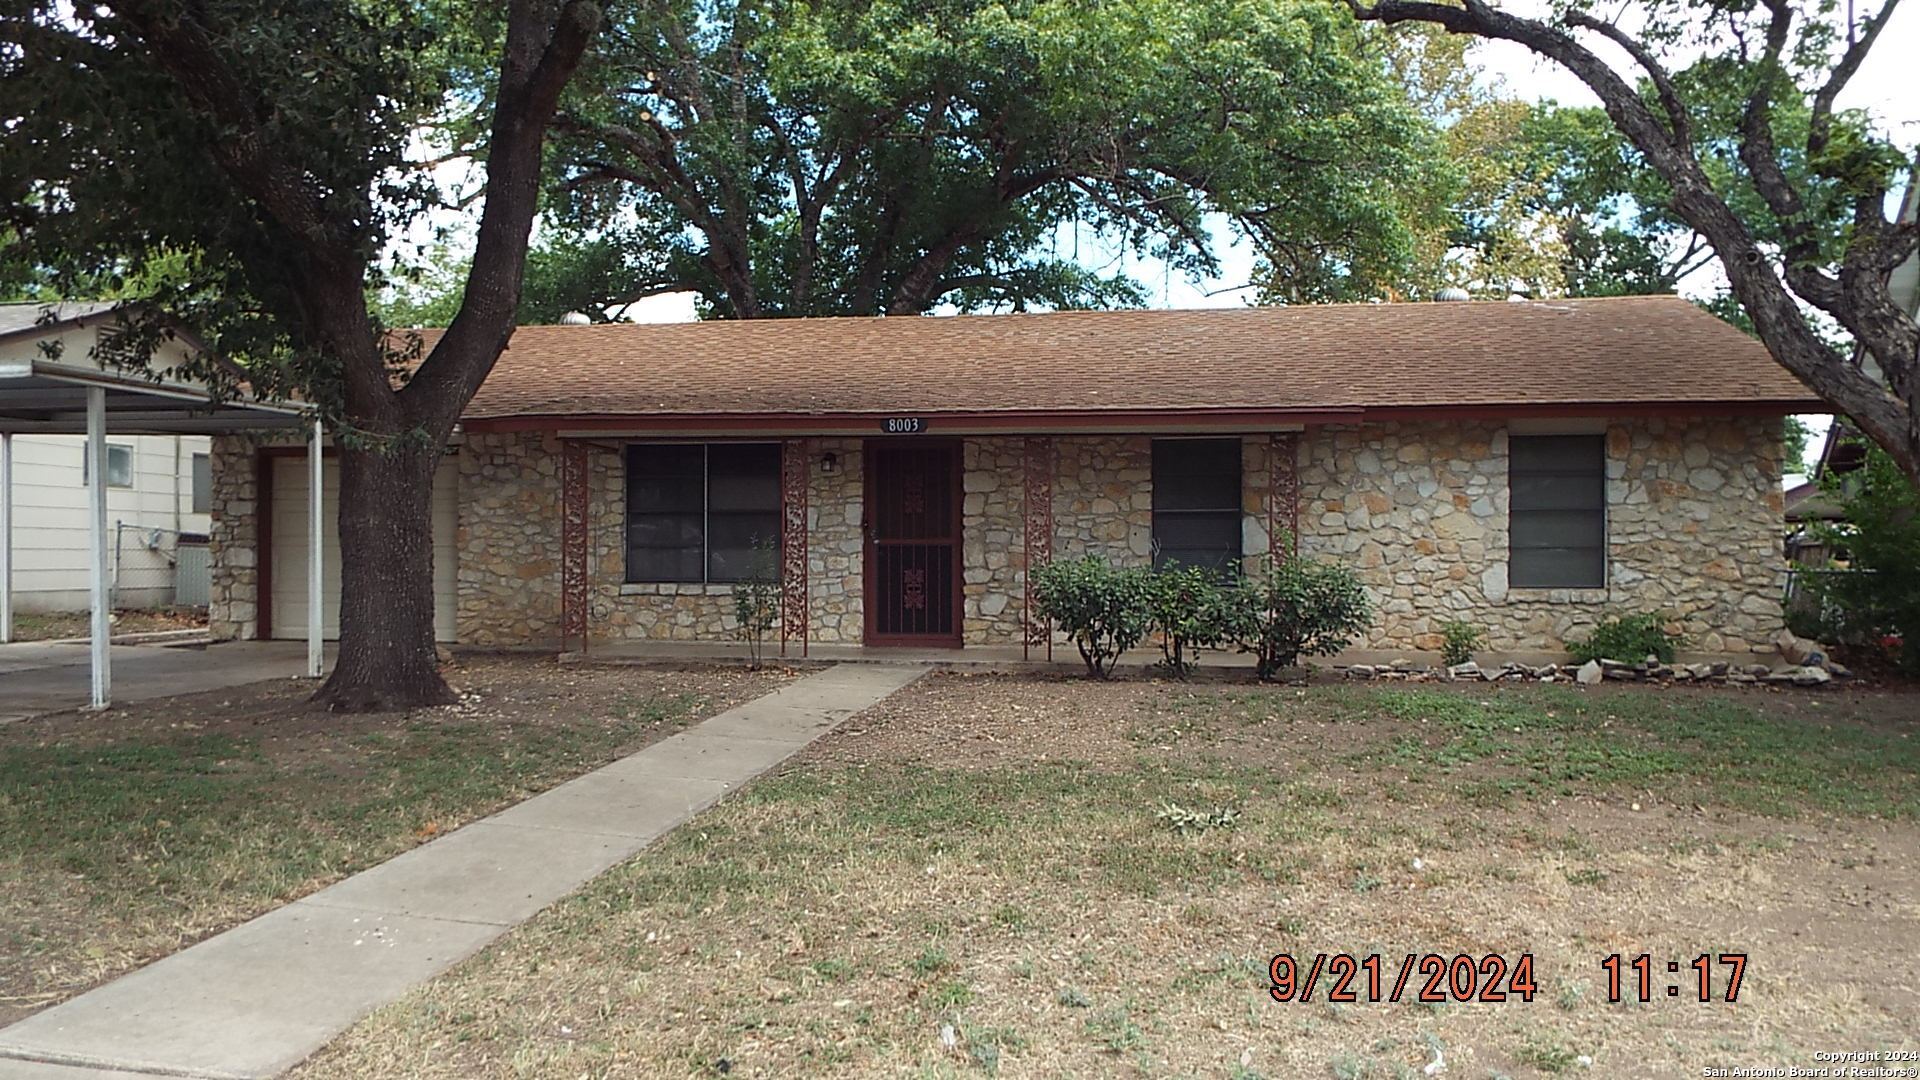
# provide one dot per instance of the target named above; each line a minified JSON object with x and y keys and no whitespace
{"x":1532,"y":198}
{"x":841,"y":157}
{"x":1731,"y":108}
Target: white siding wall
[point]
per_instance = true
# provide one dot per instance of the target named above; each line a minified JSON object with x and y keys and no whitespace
{"x":50,"y":518}
{"x":50,"y":501}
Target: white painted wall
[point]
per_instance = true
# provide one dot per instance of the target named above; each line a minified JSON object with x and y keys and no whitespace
{"x":50,"y":503}
{"x":290,"y":501}
{"x":50,"y":517}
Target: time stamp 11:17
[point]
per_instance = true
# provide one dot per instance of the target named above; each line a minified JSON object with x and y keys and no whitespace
{"x":1493,"y":977}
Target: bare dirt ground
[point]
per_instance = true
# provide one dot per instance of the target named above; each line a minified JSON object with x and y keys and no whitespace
{"x":983,"y":875}
{"x":56,"y":625}
{"x":128,"y":834}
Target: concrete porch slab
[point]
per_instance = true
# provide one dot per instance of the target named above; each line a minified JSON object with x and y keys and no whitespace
{"x":1011,"y":659}
{"x":40,"y":677}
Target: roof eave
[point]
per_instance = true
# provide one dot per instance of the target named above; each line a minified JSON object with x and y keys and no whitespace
{"x":1041,"y":420}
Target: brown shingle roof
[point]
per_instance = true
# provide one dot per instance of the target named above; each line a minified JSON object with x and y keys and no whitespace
{"x":1631,"y":351}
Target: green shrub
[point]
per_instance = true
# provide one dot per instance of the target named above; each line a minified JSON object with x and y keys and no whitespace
{"x":1293,"y":608}
{"x":1877,"y":605}
{"x":1102,"y":608}
{"x":1458,"y":640}
{"x":1187,"y":606}
{"x":1628,"y":639}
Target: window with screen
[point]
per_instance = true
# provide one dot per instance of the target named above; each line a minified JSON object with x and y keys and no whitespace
{"x":202,"y":483}
{"x":1557,"y":507}
{"x":699,"y":513}
{"x":119,"y":466}
{"x":1196,"y":502}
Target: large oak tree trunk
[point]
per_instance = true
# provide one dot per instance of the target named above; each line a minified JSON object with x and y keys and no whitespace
{"x":323,"y":245}
{"x":387,"y":657}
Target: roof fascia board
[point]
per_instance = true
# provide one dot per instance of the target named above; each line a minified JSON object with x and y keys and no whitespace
{"x":1116,"y":421}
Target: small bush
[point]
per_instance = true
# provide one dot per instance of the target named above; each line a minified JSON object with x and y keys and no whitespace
{"x":1458,"y":640}
{"x":1187,"y":606}
{"x":1102,"y":608}
{"x":756,"y":602}
{"x":1293,"y":608}
{"x":1628,"y":639}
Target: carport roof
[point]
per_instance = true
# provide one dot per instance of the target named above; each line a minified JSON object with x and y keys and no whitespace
{"x":48,"y":395}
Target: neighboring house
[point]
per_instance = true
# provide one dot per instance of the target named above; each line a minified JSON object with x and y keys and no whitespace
{"x":159,"y":489}
{"x":1527,"y":467}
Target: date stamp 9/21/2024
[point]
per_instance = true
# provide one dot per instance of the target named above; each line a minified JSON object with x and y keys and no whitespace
{"x":1494,"y":977}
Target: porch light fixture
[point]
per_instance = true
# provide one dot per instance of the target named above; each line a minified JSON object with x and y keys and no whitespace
{"x":830,"y":463}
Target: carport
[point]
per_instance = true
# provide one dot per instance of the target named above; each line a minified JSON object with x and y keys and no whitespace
{"x":82,"y":395}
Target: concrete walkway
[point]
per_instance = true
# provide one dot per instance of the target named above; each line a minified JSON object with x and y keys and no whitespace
{"x":260,"y":998}
{"x":42,"y":677}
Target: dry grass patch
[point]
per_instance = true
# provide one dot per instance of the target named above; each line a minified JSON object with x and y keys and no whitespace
{"x":1044,"y":878}
{"x":58,"y":625}
{"x":128,"y":834}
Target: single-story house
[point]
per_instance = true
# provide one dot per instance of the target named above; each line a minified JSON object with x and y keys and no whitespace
{"x":1528,"y":467}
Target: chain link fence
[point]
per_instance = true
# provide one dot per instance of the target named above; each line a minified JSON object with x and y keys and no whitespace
{"x":158,"y":568}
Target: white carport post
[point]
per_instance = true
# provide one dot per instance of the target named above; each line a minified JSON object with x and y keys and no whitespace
{"x":97,"y":544}
{"x":6,"y":536}
{"x":316,"y":556}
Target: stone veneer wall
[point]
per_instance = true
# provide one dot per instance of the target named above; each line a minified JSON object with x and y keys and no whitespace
{"x":509,"y":582}
{"x":1418,"y":509}
{"x":993,"y":532}
{"x":836,"y":596}
{"x":1694,"y":524}
{"x":1103,"y":498}
{"x":507,"y":577}
{"x":233,"y":611}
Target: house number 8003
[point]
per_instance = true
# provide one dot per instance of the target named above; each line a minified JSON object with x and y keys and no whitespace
{"x":903,"y":425}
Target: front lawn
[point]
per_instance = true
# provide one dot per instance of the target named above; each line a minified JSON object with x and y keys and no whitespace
{"x":128,"y":834}
{"x":1039,"y":877}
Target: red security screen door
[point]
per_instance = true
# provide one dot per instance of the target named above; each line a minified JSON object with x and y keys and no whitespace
{"x":913,"y":542}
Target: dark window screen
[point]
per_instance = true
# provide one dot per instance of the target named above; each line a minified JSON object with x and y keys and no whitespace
{"x":696,"y":513}
{"x":1196,"y":502}
{"x":1557,"y":512}
{"x":743,"y":508}
{"x":202,"y":483}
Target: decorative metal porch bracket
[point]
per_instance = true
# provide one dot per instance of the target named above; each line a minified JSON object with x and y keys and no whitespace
{"x":573,"y":544}
{"x":794,"y":464}
{"x":1283,"y":495}
{"x":1038,"y":510}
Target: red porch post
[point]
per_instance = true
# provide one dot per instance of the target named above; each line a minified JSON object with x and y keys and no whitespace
{"x":1283,"y":494}
{"x":794,"y":467}
{"x":1038,"y":511}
